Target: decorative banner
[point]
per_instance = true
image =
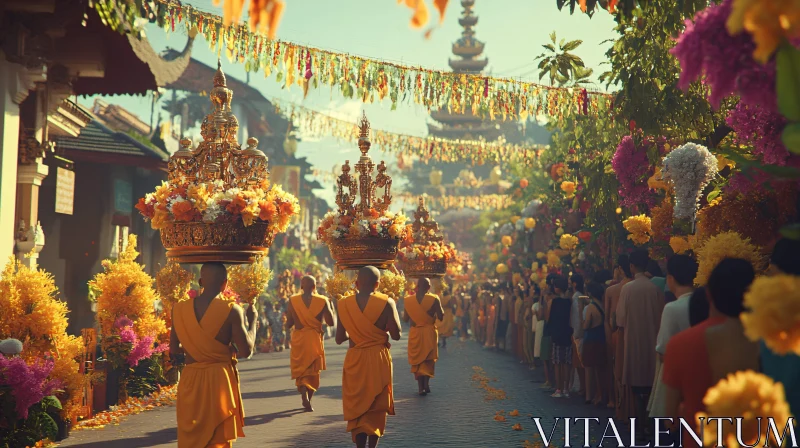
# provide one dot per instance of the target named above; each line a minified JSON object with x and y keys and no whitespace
{"x":483,"y":202}
{"x":359,"y":77}
{"x":317,"y":124}
{"x":65,"y":191}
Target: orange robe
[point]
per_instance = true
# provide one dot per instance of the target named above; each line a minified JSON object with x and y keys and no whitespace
{"x":447,"y":324}
{"x":367,"y":395}
{"x":210,"y":412}
{"x":308,"y":347}
{"x":423,"y":337}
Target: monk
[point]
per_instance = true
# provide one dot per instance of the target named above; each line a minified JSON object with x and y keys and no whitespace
{"x":305,"y":313}
{"x":212,"y":332}
{"x":423,"y":309}
{"x":367,"y":319}
{"x":446,"y":324}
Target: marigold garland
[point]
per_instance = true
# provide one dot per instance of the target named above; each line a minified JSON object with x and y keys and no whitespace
{"x":33,"y":314}
{"x":773,"y":313}
{"x":722,"y":246}
{"x":747,"y":394}
{"x":639,"y":227}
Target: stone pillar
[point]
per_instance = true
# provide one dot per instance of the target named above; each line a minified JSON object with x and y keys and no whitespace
{"x":30,"y":240}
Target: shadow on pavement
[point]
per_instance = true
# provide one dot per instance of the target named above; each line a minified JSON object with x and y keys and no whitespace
{"x":268,"y":394}
{"x":266,"y":418}
{"x":167,"y":435}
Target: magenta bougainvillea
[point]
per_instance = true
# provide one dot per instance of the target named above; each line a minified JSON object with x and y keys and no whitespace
{"x":28,"y":382}
{"x":706,"y":48}
{"x":761,"y":129}
{"x":632,"y":167}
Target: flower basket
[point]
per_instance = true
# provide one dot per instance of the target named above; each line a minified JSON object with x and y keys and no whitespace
{"x":227,"y":242}
{"x":355,"y":253}
{"x":420,"y":268}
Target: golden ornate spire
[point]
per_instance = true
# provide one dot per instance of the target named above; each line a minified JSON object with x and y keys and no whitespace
{"x":219,"y":157}
{"x":366,"y":188}
{"x":425,"y":229}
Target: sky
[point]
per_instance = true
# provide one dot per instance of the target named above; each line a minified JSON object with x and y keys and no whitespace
{"x":513,"y":31}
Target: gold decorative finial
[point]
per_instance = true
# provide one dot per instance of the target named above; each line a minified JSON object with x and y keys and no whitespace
{"x":425,"y":229}
{"x":219,"y":77}
{"x":363,"y":128}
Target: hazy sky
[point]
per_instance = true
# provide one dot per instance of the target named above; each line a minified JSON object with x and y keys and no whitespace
{"x":513,"y":31}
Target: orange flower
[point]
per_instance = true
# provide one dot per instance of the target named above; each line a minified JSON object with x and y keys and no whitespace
{"x":268,"y":210}
{"x":768,"y":21}
{"x":517,"y":427}
{"x":236,"y":206}
{"x":372,"y":213}
{"x":184,"y":211}
{"x":287,"y":208}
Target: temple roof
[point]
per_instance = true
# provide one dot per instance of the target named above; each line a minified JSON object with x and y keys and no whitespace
{"x":97,"y":138}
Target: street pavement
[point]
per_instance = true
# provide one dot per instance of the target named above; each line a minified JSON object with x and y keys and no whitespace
{"x":460,"y":411}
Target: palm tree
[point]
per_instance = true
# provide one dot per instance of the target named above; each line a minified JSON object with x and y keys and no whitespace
{"x":561,"y":65}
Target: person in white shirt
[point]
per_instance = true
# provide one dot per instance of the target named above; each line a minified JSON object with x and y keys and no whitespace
{"x":681,"y":271}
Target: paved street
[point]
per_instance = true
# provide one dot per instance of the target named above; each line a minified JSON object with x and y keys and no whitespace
{"x":456,"y":414}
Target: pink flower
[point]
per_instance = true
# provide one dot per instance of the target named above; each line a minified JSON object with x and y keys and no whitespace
{"x":761,"y":129}
{"x":123,"y":321}
{"x":706,"y":48}
{"x":632,"y":167}
{"x":192,"y":293}
{"x":143,"y":349}
{"x":28,"y":383}
{"x":127,"y":335}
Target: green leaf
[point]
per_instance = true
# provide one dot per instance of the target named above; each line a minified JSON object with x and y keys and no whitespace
{"x":788,"y":82}
{"x":791,"y":137}
{"x":51,"y":402}
{"x":713,"y":195}
{"x":549,"y":47}
{"x":48,"y":427}
{"x":279,"y":77}
{"x":791,"y":231}
{"x":569,"y":46}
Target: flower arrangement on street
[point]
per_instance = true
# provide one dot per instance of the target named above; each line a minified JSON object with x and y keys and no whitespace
{"x":335,"y":226}
{"x":249,"y":281}
{"x":32,"y":313}
{"x":722,"y":246}
{"x":773,"y":313}
{"x":212,"y":203}
{"x":30,"y":405}
{"x":640,"y":229}
{"x":430,"y":251}
{"x":689,"y":168}
{"x":748,"y":394}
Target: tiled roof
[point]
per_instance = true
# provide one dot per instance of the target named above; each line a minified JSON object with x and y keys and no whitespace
{"x":97,"y":137}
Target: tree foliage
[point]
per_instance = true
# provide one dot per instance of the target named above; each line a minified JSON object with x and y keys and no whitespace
{"x":561,"y":65}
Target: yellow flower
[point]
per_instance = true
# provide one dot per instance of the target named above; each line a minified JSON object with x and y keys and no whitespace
{"x":679,"y":244}
{"x":639,"y":227}
{"x":199,"y":195}
{"x":752,"y":396}
{"x":568,"y":188}
{"x":655,"y":182}
{"x":559,"y":231}
{"x":553,"y":260}
{"x":173,"y":283}
{"x":568,"y":242}
{"x":162,"y":191}
{"x":338,"y":285}
{"x":501,"y":268}
{"x":773,"y":305}
{"x":769,"y":22}
{"x":540,"y":255}
{"x":392,"y":284}
{"x":249,"y":281}
{"x":722,"y":246}
{"x":722,"y":162}
{"x":394,"y":230}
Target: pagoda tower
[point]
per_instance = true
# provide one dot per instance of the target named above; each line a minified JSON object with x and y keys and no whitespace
{"x":468,"y":50}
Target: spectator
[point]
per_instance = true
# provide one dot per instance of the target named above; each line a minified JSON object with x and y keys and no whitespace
{"x":614,"y":334}
{"x":594,"y":346}
{"x":639,"y":310}
{"x":578,"y":291}
{"x":698,"y":307}
{"x":690,"y":367}
{"x":785,"y":259}
{"x":558,"y":316}
{"x":681,"y":271}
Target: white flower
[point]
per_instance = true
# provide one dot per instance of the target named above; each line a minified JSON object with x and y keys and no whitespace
{"x":212,"y":212}
{"x":689,"y":168}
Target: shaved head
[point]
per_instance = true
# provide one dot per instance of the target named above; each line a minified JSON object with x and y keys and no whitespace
{"x":213,"y":276}
{"x":308,"y":284}
{"x":368,"y":278}
{"x":423,"y":285}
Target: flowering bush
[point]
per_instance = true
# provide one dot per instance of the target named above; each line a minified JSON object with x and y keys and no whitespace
{"x":31,"y":312}
{"x":212,"y":203}
{"x":759,"y":128}
{"x":750,"y":395}
{"x":639,"y":228}
{"x":28,"y":382}
{"x":690,"y":168}
{"x":773,"y":313}
{"x":632,"y":167}
{"x":372,"y":224}
{"x":568,"y":242}
{"x":130,"y":346}
{"x":722,"y":246}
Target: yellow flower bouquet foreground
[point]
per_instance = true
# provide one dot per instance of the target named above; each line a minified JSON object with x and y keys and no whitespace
{"x":211,"y":202}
